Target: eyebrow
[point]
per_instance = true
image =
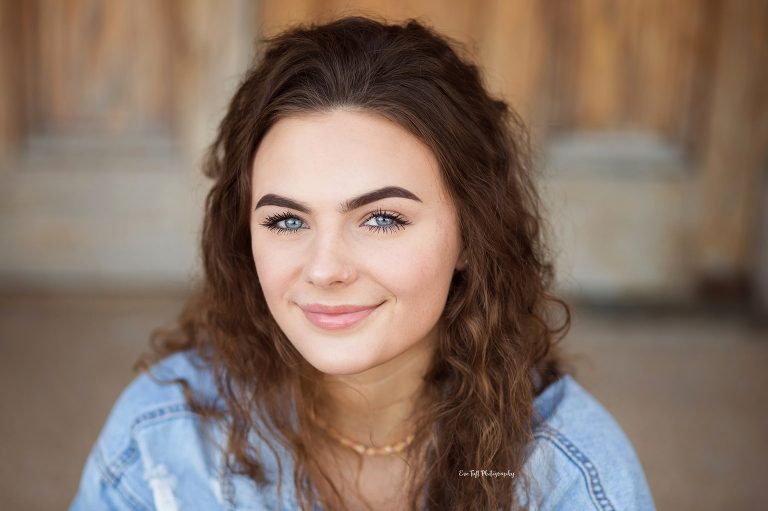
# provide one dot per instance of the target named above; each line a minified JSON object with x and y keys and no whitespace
{"x":272,"y":199}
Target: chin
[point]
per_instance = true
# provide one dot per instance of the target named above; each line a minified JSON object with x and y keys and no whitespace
{"x":342,"y":361}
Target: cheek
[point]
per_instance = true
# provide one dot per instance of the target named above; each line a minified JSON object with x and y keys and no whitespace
{"x":275,"y":269}
{"x":419,"y":276}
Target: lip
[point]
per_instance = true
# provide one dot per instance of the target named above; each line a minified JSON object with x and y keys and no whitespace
{"x":337,"y":317}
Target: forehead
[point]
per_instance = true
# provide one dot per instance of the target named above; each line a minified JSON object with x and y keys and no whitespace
{"x":342,"y":153}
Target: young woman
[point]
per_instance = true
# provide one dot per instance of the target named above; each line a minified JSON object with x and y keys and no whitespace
{"x":376,"y":324}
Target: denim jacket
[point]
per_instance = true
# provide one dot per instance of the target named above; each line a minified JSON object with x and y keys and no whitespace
{"x":154,"y":455}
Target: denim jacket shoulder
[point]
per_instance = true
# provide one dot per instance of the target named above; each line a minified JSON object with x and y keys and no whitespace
{"x":154,"y":454}
{"x":581,"y":458}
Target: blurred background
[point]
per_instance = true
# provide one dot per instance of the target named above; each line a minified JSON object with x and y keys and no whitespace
{"x":650,"y":120}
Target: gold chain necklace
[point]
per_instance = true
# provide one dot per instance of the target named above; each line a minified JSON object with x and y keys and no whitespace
{"x":360,"y":448}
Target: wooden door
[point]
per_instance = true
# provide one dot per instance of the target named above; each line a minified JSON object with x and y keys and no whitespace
{"x":105,"y":108}
{"x":99,"y":67}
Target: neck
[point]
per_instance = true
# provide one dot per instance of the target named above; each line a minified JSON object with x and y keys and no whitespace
{"x":377,"y":406}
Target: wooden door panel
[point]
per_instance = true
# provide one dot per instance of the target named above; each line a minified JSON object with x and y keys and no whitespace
{"x":99,"y":65}
{"x":624,"y":65}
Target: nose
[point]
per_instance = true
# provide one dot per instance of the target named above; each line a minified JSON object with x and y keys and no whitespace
{"x":329,"y":262}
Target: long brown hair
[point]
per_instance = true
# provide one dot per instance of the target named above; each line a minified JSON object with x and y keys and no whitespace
{"x":501,"y":317}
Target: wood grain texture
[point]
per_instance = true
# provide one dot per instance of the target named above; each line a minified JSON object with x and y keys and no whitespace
{"x":213,"y":44}
{"x":12,"y":80}
{"x":622,"y":65}
{"x":100,"y":65}
{"x":736,"y":151}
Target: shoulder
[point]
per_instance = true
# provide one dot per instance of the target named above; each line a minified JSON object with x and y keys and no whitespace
{"x":156,"y":396}
{"x":137,"y":455}
{"x":581,"y":458}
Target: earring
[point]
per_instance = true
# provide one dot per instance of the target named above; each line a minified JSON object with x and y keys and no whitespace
{"x":466,"y":260}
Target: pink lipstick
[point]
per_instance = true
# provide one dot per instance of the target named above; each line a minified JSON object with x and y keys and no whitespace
{"x":337,"y":317}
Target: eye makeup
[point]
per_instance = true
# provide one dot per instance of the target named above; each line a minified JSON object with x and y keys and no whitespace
{"x":273,"y":222}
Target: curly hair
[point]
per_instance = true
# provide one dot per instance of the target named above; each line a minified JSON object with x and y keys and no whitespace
{"x":502,"y":317}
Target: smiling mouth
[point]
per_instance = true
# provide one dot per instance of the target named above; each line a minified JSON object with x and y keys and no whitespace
{"x":338,"y":321}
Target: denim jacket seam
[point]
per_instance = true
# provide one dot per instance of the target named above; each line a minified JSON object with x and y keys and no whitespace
{"x":161,"y":414}
{"x":587,"y":468}
{"x":112,"y":472}
{"x":112,"y":479}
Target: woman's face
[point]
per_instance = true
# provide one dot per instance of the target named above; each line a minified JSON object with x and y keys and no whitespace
{"x":354,"y":237}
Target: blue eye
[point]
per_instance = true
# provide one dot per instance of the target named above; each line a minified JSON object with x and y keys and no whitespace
{"x":377,"y":221}
{"x":291,"y":223}
{"x":284,"y":222}
{"x":381,"y":220}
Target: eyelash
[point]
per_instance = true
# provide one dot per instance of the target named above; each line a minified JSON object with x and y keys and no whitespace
{"x":399,"y":222}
